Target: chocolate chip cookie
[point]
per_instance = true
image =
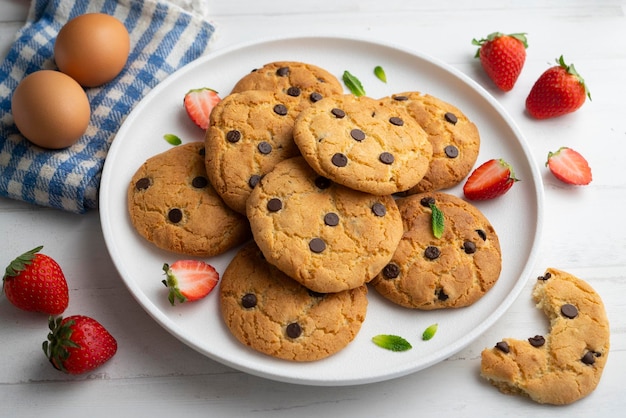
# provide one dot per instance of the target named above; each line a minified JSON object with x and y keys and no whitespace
{"x":307,"y":82}
{"x":363,"y":143}
{"x":170,"y":200}
{"x":454,"y":138}
{"x":452,"y":270}
{"x":249,"y":133}
{"x":326,"y":236}
{"x":273,"y":314}
{"x":567,"y":363}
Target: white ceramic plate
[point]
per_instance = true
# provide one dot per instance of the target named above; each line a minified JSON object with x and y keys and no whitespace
{"x":517,"y":216}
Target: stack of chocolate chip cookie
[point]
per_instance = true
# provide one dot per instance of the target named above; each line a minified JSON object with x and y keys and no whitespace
{"x":338,"y":193}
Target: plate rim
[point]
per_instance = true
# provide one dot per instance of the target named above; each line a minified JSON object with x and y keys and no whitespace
{"x":460,"y":343}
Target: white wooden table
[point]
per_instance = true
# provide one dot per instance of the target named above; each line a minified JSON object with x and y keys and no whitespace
{"x":153,"y":374}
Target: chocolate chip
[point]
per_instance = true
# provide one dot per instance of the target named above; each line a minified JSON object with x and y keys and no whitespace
{"x":391,"y":271}
{"x":248,"y":300}
{"x":282,"y":72}
{"x":315,"y":97}
{"x":569,"y":311}
{"x":482,"y":234}
{"x":451,"y":151}
{"x":338,"y":113}
{"x":537,"y":341}
{"x":545,"y":276}
{"x":202,"y":151}
{"x":254,"y":180}
{"x":379,"y":209}
{"x":293,"y":91}
{"x":331,"y":219}
{"x":432,"y":253}
{"x":143,"y":183}
{"x":441,"y":295}
{"x":280,"y":109}
{"x":264,"y":147}
{"x":294,"y":330}
{"x":340,"y":160}
{"x":199,"y":182}
{"x":233,"y":136}
{"x":400,"y":98}
{"x":317,"y":245}
{"x":175,"y":215}
{"x":357,"y":135}
{"x":322,"y":182}
{"x":274,"y":205}
{"x":469,"y":247}
{"x":503,"y":346}
{"x":426,"y":201}
{"x":590,"y":357}
{"x":386,"y":158}
{"x":450,"y":117}
{"x":396,"y":121}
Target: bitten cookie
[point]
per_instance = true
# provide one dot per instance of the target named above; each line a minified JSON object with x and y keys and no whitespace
{"x":566,"y":364}
{"x":454,"y":138}
{"x":363,"y":143}
{"x":452,"y":271}
{"x":273,"y":314}
{"x":249,"y":133}
{"x":307,"y":82}
{"x":170,"y":200}
{"x":326,"y":236}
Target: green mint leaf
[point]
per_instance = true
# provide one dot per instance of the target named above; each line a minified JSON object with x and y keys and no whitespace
{"x":437,"y":221}
{"x":353,"y":84}
{"x":172,"y":139}
{"x":380,"y":73}
{"x":430,"y":332}
{"x":391,"y":342}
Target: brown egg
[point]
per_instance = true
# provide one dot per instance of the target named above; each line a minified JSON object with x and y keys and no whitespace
{"x":50,"y":109}
{"x":92,"y":48}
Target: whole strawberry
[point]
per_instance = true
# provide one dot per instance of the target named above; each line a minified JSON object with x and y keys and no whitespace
{"x":35,"y":282}
{"x":558,"y":91}
{"x":502,"y":57}
{"x":78,"y":344}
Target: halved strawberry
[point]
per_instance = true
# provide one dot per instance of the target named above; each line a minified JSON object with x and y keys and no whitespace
{"x":199,"y":103}
{"x":569,"y":166}
{"x":189,"y":280}
{"x":492,"y":179}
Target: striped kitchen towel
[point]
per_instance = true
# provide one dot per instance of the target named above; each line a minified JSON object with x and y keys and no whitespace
{"x":164,"y":37}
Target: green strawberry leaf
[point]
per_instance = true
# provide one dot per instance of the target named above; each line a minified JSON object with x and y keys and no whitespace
{"x":172,"y":139}
{"x":437,"y":221}
{"x":353,"y":84}
{"x":391,"y":342}
{"x":379,"y":72}
{"x":430,"y":332}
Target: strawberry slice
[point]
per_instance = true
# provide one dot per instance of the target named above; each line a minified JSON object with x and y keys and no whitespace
{"x":492,"y":179}
{"x":189,"y":280}
{"x":199,"y":103}
{"x":569,"y":166}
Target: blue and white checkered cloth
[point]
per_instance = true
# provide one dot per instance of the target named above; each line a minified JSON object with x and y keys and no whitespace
{"x":164,"y":37}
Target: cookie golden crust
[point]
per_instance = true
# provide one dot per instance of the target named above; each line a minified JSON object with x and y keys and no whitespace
{"x":452,"y":271}
{"x":273,"y":314}
{"x":363,"y":143}
{"x":454,"y":138}
{"x":170,"y":200}
{"x":566,"y":364}
{"x":326,"y":236}
{"x":307,"y":82}
{"x":249,"y":133}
